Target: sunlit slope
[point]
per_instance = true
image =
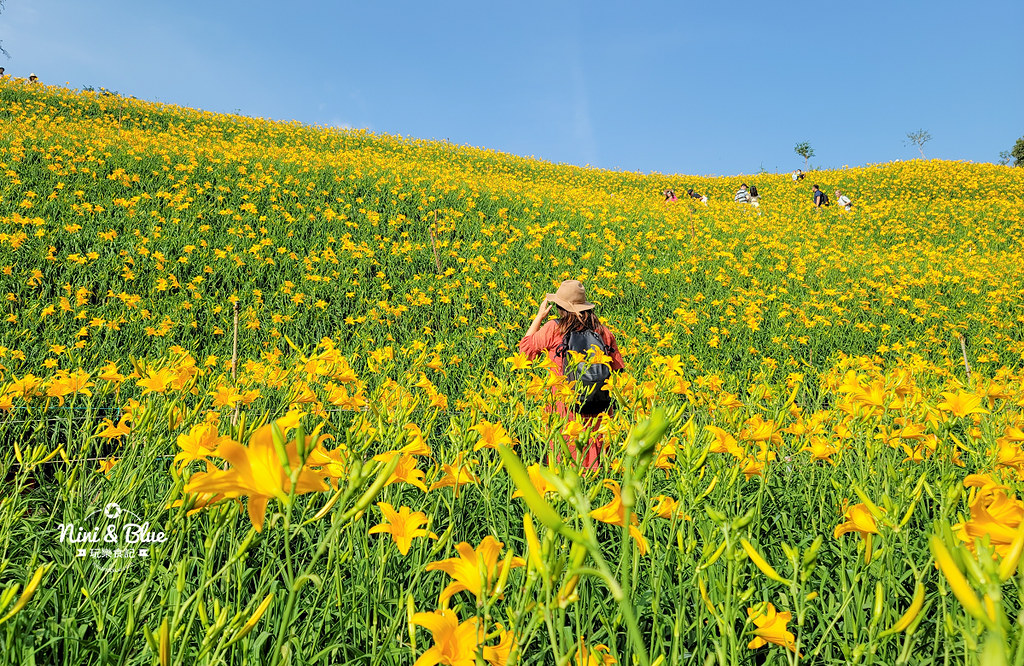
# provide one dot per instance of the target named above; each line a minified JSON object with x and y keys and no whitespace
{"x":129,"y":228}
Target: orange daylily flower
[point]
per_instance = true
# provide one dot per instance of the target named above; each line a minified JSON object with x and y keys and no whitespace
{"x":665,"y":456}
{"x":859,"y":520}
{"x":754,"y":466}
{"x":1009,"y":454}
{"x":114,"y":431}
{"x":756,"y":429}
{"x":417,"y":445}
{"x":474,"y":571}
{"x":771,"y":628}
{"x":333,"y":463}
{"x":599,"y":655}
{"x":724,"y":442}
{"x":614,"y":513}
{"x":962,"y":403}
{"x":491,"y":435}
{"x":457,"y":644}
{"x":537,"y":481}
{"x":985,"y":484}
{"x":403,"y":525}
{"x":993,"y":514}
{"x":667,"y":507}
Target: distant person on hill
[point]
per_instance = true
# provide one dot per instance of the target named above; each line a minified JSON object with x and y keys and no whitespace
{"x":32,"y":78}
{"x":818,"y":197}
{"x":753,"y":196}
{"x":2,"y":72}
{"x":798,"y":175}
{"x":699,"y":197}
{"x":670,"y":195}
{"x":742,"y":195}
{"x":843,"y":200}
{"x":576,"y":329}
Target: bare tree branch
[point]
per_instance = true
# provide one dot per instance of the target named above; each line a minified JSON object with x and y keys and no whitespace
{"x":919,"y":138}
{"x":2,"y":49}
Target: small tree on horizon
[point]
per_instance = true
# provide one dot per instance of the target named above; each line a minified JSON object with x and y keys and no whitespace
{"x":919,"y":138}
{"x":804,"y":150}
{"x":1016,"y":153}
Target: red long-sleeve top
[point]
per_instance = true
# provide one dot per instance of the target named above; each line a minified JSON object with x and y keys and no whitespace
{"x":549,"y":337}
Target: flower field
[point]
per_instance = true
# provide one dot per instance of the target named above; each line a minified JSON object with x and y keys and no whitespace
{"x":292,"y":353}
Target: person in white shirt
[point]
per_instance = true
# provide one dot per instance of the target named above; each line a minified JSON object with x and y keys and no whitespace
{"x":742,"y":196}
{"x":843,"y":200}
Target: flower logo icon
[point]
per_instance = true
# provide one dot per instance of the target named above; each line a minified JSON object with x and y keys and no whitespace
{"x":112,"y":511}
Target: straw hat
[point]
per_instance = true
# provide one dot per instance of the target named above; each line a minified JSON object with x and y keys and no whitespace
{"x":571,"y":296}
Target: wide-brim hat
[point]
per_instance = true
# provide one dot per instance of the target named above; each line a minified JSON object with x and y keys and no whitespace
{"x":571,"y":296}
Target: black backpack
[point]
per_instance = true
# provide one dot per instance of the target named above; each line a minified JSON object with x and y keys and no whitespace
{"x":824,"y":199}
{"x":593,"y":398}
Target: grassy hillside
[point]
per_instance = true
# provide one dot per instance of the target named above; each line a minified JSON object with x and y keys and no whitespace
{"x":161,"y":215}
{"x":796,"y":370}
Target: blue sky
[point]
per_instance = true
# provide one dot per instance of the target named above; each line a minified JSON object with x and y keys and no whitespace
{"x":687,"y":88}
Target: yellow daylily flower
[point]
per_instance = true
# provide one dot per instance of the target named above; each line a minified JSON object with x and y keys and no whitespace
{"x":456,"y":475}
{"x":201,"y":441}
{"x":157,"y":381}
{"x":106,"y":465}
{"x":614,"y":513}
{"x":820,"y":449}
{"x":406,"y":471}
{"x":518,"y":361}
{"x":66,"y":384}
{"x":598,"y":655}
{"x":256,"y":472}
{"x":225,"y":396}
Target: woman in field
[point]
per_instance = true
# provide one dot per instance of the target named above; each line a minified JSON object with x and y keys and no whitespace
{"x":576,"y":328}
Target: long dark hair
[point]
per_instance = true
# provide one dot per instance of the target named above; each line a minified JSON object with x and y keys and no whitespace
{"x":573,"y":322}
